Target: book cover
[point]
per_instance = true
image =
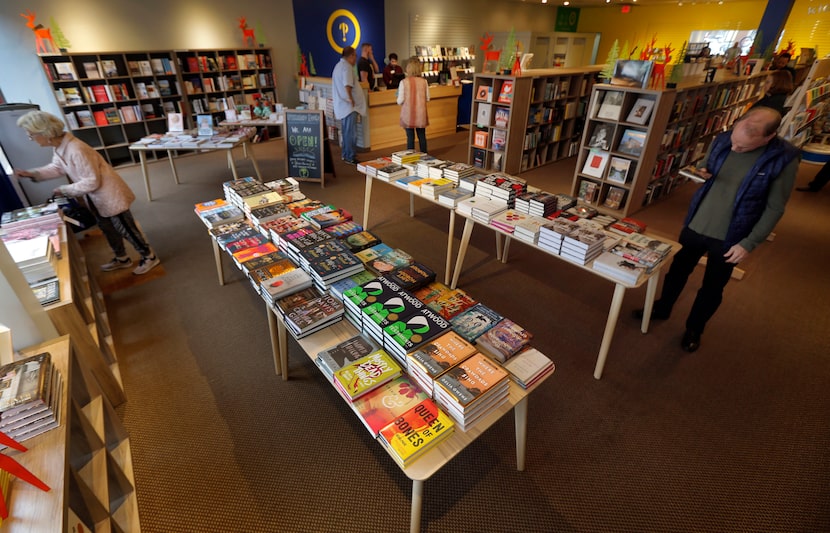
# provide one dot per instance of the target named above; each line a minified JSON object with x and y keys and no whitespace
{"x":614,"y":197}
{"x":381,"y":406}
{"x":618,"y":169}
{"x":483,"y":114}
{"x":470,"y":379}
{"x":473,"y":322}
{"x":640,"y":111}
{"x":175,"y":122}
{"x":501,"y":117}
{"x":451,"y":303}
{"x":286,"y":283}
{"x":417,"y":430}
{"x":506,"y":92}
{"x":504,"y":339}
{"x":632,"y":73}
{"x":418,"y":328}
{"x":24,"y":382}
{"x":528,"y":365}
{"x":484,"y":93}
{"x":292,"y":301}
{"x":390,"y":261}
{"x":250,"y":253}
{"x":366,"y":374}
{"x":499,"y":139}
{"x":340,"y":355}
{"x":480,"y":138}
{"x":204,"y":124}
{"x":595,"y":163}
{"x":311,"y":314}
{"x":373,"y":252}
{"x":441,"y":353}
{"x":611,"y":105}
{"x":269,"y":270}
{"x":601,"y":136}
{"x":361,"y":241}
{"x":632,"y":142}
{"x":344,"y":230}
{"x":412,"y":276}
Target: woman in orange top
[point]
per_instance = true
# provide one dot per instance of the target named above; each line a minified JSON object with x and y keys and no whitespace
{"x":413,"y":95}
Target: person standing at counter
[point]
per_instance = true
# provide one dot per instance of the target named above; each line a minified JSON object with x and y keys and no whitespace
{"x":367,"y":66}
{"x":348,"y":102}
{"x":392,"y":72}
{"x":413,"y":95}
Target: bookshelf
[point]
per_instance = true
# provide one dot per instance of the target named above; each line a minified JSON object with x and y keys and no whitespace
{"x":437,"y":59}
{"x":86,"y":461}
{"x":539,"y":125}
{"x":807,"y":104}
{"x":112,"y":99}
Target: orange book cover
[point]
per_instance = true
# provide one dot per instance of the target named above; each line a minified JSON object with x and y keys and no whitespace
{"x":249,"y":253}
{"x":416,"y":430}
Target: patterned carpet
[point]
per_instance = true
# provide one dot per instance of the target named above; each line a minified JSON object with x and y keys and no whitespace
{"x":732,"y":438}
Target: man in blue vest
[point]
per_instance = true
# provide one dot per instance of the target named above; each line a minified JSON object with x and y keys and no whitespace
{"x":751,"y":175}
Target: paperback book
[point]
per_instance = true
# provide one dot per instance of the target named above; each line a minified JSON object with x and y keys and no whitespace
{"x":366,"y":374}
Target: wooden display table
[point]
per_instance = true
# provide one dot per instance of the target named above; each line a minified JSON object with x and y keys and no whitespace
{"x":436,"y":458}
{"x":619,"y":286}
{"x":142,"y":150}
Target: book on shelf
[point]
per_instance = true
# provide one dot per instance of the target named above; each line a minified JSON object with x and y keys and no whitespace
{"x":91,"y":70}
{"x":24,"y":384}
{"x":611,"y":106}
{"x":419,"y":429}
{"x":499,"y":141}
{"x":632,"y":142}
{"x":618,"y":169}
{"x":65,"y":71}
{"x":109,"y":68}
{"x":595,"y":163}
{"x":506,"y":92}
{"x":480,"y":138}
{"x":693,"y":173}
{"x":366,"y":374}
{"x":641,"y":110}
{"x":588,"y":191}
{"x":483,"y":114}
{"x":601,"y":136}
{"x":614,"y":197}
{"x":479,"y":157}
{"x":380,"y":407}
{"x":501,"y":117}
{"x":484,"y":93}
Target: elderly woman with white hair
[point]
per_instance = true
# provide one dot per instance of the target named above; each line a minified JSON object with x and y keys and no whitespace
{"x":90,"y":176}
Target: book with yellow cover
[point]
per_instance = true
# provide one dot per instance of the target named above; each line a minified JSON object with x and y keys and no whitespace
{"x":366,"y":374}
{"x":416,"y":431}
{"x":383,"y":405}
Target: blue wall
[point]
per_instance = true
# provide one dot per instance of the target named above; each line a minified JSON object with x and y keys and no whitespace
{"x":324,"y":24}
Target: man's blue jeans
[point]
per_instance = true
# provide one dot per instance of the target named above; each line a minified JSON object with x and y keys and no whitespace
{"x":349,"y":125}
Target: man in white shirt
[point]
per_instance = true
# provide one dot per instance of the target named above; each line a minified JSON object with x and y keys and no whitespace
{"x":348,"y":102}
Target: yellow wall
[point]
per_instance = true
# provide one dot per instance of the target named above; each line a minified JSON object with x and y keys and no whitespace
{"x":809,"y":26}
{"x":670,"y":22}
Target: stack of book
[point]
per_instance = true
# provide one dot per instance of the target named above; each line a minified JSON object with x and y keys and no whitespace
{"x":437,"y":171}
{"x":475,"y":321}
{"x":266,"y":266}
{"x":436,"y":357}
{"x":217,"y":212}
{"x":327,"y":217}
{"x":261,"y":199}
{"x":451,"y":197}
{"x":507,"y":220}
{"x":472,"y":389}
{"x":329,"y":261}
{"x":618,"y":267}
{"x":627,"y":226}
{"x":583,"y":244}
{"x":282,"y":226}
{"x":284,"y":284}
{"x":344,"y":229}
{"x":643,"y":250}
{"x":365,"y":374}
{"x":30,"y":397}
{"x":411,"y":332}
{"x":564,"y":201}
{"x":308,"y":311}
{"x":391,"y":172}
{"x":35,"y":257}
{"x":284,"y":186}
{"x":424,"y":164}
{"x":344,"y":353}
{"x":382,"y":405}
{"x":486,"y":208}
{"x":435,"y":187}
{"x":261,"y":215}
{"x":389,"y":260}
{"x":295,"y":242}
{"x":504,"y":340}
{"x":543,"y":204}
{"x":469,"y":183}
{"x":456,"y":171}
{"x":361,"y":240}
{"x":370,"y":254}
{"x":527,"y":230}
{"x":501,"y":186}
{"x":553,"y":233}
{"x":445,"y":301}
{"x":237,"y":190}
{"x":370,"y":168}
{"x":339,"y":287}
{"x":406,"y":156}
{"x":529,"y":366}
{"x":415,"y":432}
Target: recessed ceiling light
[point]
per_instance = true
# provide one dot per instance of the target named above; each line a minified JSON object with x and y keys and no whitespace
{"x":544,"y":1}
{"x":566,"y":3}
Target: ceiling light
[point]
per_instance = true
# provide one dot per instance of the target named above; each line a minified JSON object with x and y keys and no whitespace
{"x":544,"y":1}
{"x":566,"y":3}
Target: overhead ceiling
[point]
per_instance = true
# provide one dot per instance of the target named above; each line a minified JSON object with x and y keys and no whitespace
{"x":598,"y":3}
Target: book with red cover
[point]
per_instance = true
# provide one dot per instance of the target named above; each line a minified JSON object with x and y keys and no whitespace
{"x":416,"y":431}
{"x":99,"y":92}
{"x":383,"y":405}
{"x":100,"y":117}
{"x":249,"y":253}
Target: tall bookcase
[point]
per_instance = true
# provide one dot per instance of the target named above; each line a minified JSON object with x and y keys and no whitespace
{"x":809,"y":103}
{"x":680,"y":126}
{"x":112,"y":99}
{"x":437,"y":59}
{"x":539,"y":124}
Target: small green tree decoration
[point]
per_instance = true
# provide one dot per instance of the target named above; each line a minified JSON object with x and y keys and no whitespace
{"x":508,"y":52}
{"x":613,"y":54}
{"x":677,"y":67}
{"x":57,"y":35}
{"x":260,"y":34}
{"x":311,"y":68}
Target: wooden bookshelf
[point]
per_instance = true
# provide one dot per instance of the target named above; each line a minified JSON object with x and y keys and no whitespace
{"x":112,"y":99}
{"x":437,"y":59}
{"x":808,"y":104}
{"x":86,"y":461}
{"x":544,"y":118}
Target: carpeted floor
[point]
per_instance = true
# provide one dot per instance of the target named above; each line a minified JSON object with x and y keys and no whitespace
{"x":732,"y":438}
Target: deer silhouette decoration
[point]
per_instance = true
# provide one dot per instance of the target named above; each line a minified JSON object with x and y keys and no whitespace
{"x":247,"y":33}
{"x":43,"y":36}
{"x":489,"y":54}
{"x":658,"y":74}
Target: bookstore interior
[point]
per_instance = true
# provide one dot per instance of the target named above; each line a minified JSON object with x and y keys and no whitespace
{"x":576,"y":133}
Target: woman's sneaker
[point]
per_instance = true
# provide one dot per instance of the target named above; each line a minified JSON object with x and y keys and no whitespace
{"x":146,"y":264}
{"x":117,"y":263}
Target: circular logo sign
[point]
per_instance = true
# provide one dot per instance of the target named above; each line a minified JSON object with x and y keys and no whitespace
{"x":343,"y":30}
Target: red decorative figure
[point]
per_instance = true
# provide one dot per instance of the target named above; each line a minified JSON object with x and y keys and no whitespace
{"x":658,"y":75}
{"x":43,"y":36}
{"x":489,"y":55}
{"x":16,"y":469}
{"x":248,"y":38}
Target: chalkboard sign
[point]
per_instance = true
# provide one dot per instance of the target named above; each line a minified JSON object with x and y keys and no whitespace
{"x":304,"y":142}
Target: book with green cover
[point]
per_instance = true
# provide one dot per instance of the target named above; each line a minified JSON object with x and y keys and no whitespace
{"x":366,"y":374}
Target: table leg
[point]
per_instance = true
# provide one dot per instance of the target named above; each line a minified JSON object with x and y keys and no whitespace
{"x":411,"y":205}
{"x":451,"y":232}
{"x":173,"y":167}
{"x":273,"y":331}
{"x":367,"y":199}
{"x":417,"y":505}
{"x":506,"y":248}
{"x":498,"y":245}
{"x":520,"y":411}
{"x":651,"y":291}
{"x":462,"y":251}
{"x":250,"y":155}
{"x":282,"y":333}
{"x":217,"y":255}
{"x":610,"y":324}
{"x":232,"y":164}
{"x":142,"y":157}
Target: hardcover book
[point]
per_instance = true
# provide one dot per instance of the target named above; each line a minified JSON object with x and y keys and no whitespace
{"x":611,"y":105}
{"x":618,"y":169}
{"x":412,"y":276}
{"x":441,"y":353}
{"x":286,"y":283}
{"x":24,"y":383}
{"x":361,"y":240}
{"x":504,"y":339}
{"x":506,"y":92}
{"x":470,"y":379}
{"x":632,"y":142}
{"x":308,"y":316}
{"x":641,"y":111}
{"x":390,"y":261}
{"x":381,"y":406}
{"x":416,"y":431}
{"x":366,"y":374}
{"x":595,"y":163}
{"x":473,"y":322}
{"x":416,"y":329}
{"x":346,"y":352}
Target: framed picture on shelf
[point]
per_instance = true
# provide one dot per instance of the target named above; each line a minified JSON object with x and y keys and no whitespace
{"x":618,"y":169}
{"x":641,"y":111}
{"x":632,"y":73}
{"x":632,"y":142}
{"x":601,"y":137}
{"x":611,"y":105}
{"x":595,"y":163}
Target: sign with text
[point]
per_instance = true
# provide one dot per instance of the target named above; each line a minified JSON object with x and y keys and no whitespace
{"x":304,"y":137}
{"x":567,"y":19}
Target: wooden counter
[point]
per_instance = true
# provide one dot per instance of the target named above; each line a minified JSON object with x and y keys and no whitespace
{"x":385,"y":129}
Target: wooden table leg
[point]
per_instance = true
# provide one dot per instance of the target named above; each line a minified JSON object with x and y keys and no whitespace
{"x":217,"y":255}
{"x":232,"y":164}
{"x":462,"y":251}
{"x":273,"y":331}
{"x":610,"y":325}
{"x":367,"y":199}
{"x":520,"y":411}
{"x":411,"y":205}
{"x":250,"y":154}
{"x":282,"y":334}
{"x":450,"y":238}
{"x":173,"y":167}
{"x":506,"y":248}
{"x":498,"y":245}
{"x":417,"y":505}
{"x":651,"y":291}
{"x":142,"y":157}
